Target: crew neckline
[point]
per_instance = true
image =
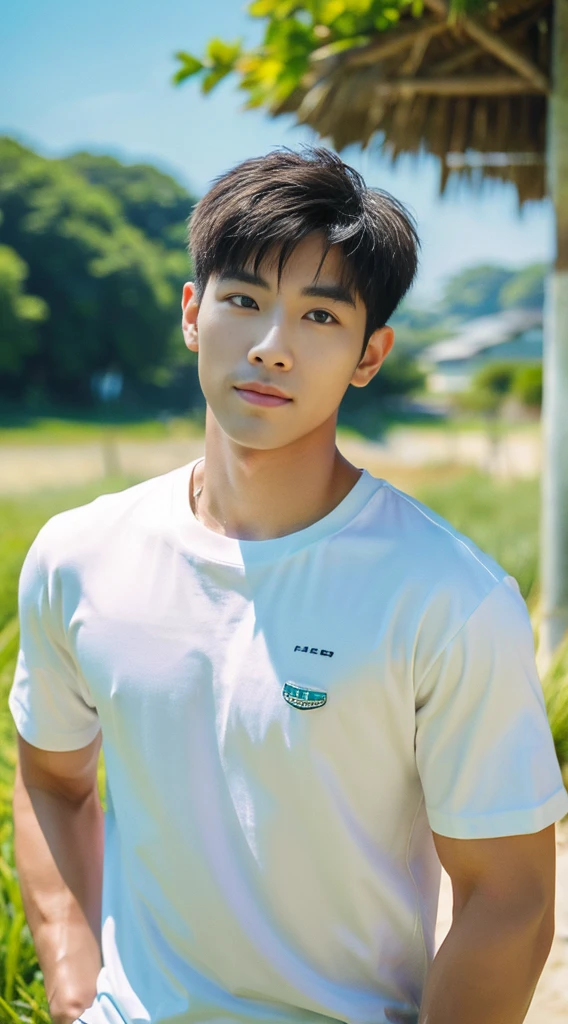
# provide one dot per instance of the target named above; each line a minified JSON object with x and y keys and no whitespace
{"x":213,"y":546}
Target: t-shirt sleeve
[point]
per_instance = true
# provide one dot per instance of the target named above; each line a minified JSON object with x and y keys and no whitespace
{"x":484,"y":749}
{"x":49,"y":700}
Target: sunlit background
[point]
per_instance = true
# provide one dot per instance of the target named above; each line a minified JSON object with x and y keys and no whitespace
{"x":101,"y":160}
{"x":97,"y":77}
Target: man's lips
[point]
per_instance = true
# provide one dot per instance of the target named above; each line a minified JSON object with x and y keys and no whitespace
{"x":262,"y":395}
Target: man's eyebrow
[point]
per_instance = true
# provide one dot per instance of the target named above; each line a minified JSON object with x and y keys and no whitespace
{"x":335,"y":292}
{"x":246,"y":276}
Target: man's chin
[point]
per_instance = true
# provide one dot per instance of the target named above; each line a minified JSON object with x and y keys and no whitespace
{"x":257,"y":433}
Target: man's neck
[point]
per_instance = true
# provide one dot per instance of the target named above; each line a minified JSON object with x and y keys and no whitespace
{"x":253,"y":494}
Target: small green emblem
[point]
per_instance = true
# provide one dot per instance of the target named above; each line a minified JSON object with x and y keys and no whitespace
{"x":299,"y":697}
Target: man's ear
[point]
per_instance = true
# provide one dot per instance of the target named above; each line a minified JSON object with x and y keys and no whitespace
{"x":378,"y":348}
{"x":190,"y":310}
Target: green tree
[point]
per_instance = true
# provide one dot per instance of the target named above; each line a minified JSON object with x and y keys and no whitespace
{"x":527,"y":385}
{"x":496,"y":378}
{"x":151,"y":201}
{"x":364,"y":408}
{"x":525,"y":290}
{"x":475,"y":291}
{"x":417,"y":326}
{"x":20,"y":315}
{"x":113,"y":293}
{"x":488,"y":388}
{"x":496,"y":381}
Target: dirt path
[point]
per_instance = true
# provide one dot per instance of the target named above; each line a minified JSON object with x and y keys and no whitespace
{"x":34,"y":467}
{"x":28,"y":468}
{"x":515,"y":455}
{"x":550,"y":1001}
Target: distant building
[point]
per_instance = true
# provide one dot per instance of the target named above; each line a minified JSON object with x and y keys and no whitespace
{"x":512,"y":336}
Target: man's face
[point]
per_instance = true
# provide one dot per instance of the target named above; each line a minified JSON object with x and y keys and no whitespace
{"x":306,"y":346}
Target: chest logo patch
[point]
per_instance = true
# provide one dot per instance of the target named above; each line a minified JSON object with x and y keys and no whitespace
{"x":299,"y":697}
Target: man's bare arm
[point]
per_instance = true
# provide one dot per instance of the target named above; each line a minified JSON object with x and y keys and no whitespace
{"x":59,"y":842}
{"x":488,"y":967}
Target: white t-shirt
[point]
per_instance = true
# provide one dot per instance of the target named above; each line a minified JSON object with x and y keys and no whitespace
{"x":284,"y":724}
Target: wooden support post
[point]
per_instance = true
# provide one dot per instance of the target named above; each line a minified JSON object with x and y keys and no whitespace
{"x":554,"y":510}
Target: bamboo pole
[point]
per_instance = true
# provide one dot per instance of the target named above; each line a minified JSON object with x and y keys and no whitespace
{"x":379,"y":49}
{"x":495,"y":44}
{"x":414,"y":59}
{"x":506,"y":53}
{"x":554,"y":510}
{"x":472,"y":85}
{"x":457,"y":60}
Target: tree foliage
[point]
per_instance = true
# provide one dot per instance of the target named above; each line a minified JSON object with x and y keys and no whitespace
{"x":485,"y":289}
{"x":270,"y":72}
{"x":151,"y":201}
{"x":90,"y":278}
{"x":496,"y":382}
{"x":20,"y":314}
{"x":527,"y":385}
{"x":525,"y":290}
{"x":495,"y":378}
{"x":476,"y":291}
{"x":112,"y":291}
{"x":364,"y":408}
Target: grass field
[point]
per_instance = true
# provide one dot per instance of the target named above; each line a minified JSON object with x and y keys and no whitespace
{"x":22,"y":995}
{"x":501,"y":518}
{"x":17,"y":429}
{"x":54,"y":430}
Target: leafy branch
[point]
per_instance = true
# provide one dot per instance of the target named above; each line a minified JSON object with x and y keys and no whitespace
{"x":272,"y":71}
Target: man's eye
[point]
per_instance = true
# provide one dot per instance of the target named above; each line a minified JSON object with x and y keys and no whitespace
{"x":325,"y":313}
{"x":247,"y":298}
{"x":231,"y":297}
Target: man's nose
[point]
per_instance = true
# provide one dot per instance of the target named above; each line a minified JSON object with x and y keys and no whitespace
{"x":271,"y":349}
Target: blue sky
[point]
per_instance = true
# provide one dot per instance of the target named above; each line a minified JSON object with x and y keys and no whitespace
{"x":97,"y":76}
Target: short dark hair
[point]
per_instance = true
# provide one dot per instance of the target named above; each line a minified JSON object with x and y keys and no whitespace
{"x":275,"y":201}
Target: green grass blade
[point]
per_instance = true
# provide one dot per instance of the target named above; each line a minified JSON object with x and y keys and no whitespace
{"x":9,"y":641}
{"x":555,"y":686}
{"x":39,"y":1013}
{"x":13,"y":952}
{"x":11,"y":1014}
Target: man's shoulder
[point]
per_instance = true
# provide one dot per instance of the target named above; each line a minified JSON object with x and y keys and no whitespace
{"x":437,"y":577}
{"x":442,"y":576}
{"x":432,"y":545}
{"x":83,"y":529}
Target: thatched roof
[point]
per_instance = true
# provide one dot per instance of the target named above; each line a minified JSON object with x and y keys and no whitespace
{"x":448,"y":88}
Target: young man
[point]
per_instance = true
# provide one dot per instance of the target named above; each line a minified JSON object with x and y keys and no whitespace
{"x":310,"y":689}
